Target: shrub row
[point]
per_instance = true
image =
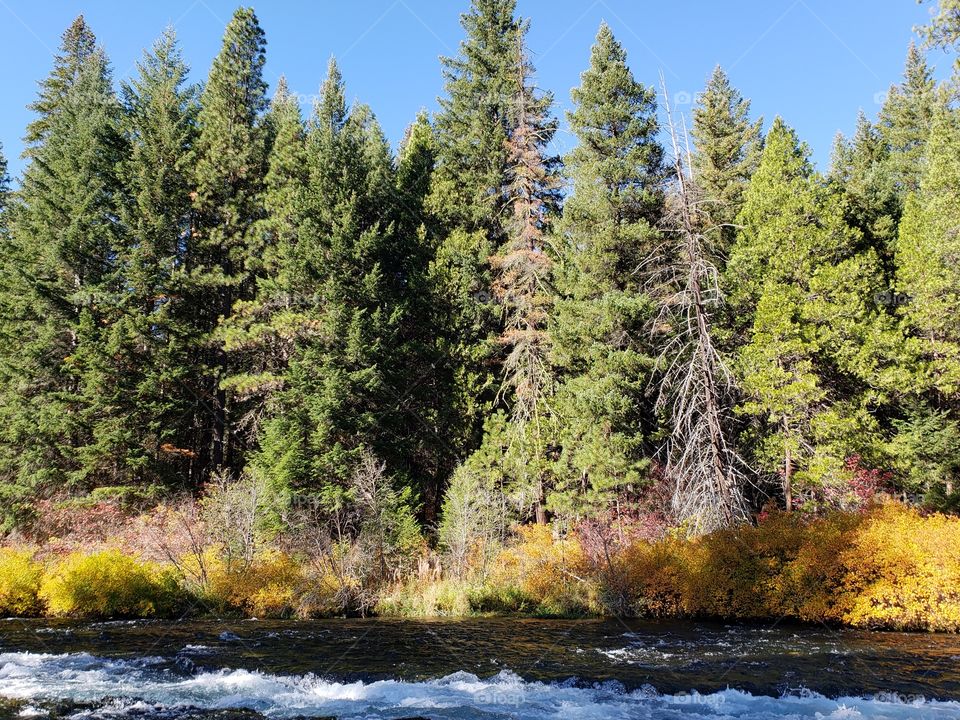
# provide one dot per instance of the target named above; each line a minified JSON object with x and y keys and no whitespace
{"x":889,"y":567}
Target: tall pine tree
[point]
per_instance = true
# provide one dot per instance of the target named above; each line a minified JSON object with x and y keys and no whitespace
{"x":607,"y":229}
{"x":805,"y":283}
{"x":523,"y":274}
{"x":230,"y":160}
{"x":65,"y":239}
{"x":469,"y":198}
{"x":147,"y":370}
{"x":905,"y":121}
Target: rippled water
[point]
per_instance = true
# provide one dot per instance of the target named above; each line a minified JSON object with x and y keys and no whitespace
{"x":484,"y":668}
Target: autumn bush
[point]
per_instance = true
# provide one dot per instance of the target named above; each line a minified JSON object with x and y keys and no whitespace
{"x":270,"y":586}
{"x":20,"y":577}
{"x":538,"y":573}
{"x":888,"y":567}
{"x":109,"y":584}
{"x":416,"y":598}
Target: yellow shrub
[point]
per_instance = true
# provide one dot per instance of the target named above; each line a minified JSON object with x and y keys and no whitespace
{"x":890,"y":567}
{"x":108,"y":584}
{"x":270,"y":587}
{"x":902,"y":570}
{"x":20,"y":577}
{"x":549,"y":573}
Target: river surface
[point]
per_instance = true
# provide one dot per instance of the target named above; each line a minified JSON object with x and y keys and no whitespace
{"x":483,"y":669}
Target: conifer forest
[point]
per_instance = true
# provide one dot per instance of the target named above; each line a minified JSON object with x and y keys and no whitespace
{"x":469,"y":374}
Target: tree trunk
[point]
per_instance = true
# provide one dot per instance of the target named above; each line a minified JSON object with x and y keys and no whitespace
{"x":788,"y":479}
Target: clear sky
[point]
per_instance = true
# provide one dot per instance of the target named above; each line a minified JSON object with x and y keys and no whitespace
{"x":815,"y":62}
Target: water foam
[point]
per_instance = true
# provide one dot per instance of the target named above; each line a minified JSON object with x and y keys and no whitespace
{"x":139,"y":687}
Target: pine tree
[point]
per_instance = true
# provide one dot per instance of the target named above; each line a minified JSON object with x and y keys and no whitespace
{"x":905,"y":121}
{"x":694,"y":387}
{"x":229,"y":170}
{"x":861,"y":176}
{"x":427,"y":415}
{"x":258,"y":335}
{"x":780,"y":234}
{"x":806,"y":283}
{"x":468,"y":198}
{"x":944,"y":28}
{"x":331,"y":410}
{"x":607,"y":229}
{"x":779,"y":380}
{"x":474,"y":121}
{"x":147,"y":371}
{"x":728,"y":149}
{"x":927,"y":263}
{"x":523,"y":269}
{"x":63,"y":278}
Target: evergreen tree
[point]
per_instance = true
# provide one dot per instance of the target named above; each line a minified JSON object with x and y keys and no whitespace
{"x":523,"y":269}
{"x":905,"y":120}
{"x":927,"y":263}
{"x":944,"y":28}
{"x":780,"y":213}
{"x":861,"y":177}
{"x":427,"y":416}
{"x":807,"y":285}
{"x":728,"y":149}
{"x":257,"y":335}
{"x":475,"y":122}
{"x":62,"y":279}
{"x":469,"y":198}
{"x":229,"y":169}
{"x":606,"y":231}
{"x":330,"y":411}
{"x":147,"y":366}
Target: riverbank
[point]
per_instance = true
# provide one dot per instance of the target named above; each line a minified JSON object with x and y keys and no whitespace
{"x":889,"y":567}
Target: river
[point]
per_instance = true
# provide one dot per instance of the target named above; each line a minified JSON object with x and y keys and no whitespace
{"x":478,"y":668}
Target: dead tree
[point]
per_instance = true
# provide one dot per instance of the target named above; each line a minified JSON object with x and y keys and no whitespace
{"x":523,"y":266}
{"x":696,"y":389}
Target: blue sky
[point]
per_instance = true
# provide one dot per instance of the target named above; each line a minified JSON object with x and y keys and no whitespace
{"x":815,"y":62}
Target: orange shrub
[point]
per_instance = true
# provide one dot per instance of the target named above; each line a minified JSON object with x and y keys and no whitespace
{"x":890,"y":567}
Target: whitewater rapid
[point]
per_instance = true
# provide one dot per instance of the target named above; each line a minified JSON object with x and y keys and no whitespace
{"x":112,"y":688}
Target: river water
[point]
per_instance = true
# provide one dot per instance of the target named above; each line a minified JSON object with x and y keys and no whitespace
{"x":479,"y":669}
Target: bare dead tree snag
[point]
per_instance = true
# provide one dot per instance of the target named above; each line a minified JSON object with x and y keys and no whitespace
{"x":696,"y":389}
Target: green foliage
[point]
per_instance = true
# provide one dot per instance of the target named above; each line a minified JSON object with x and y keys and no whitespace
{"x":927,"y":268}
{"x":61,"y":279}
{"x":810,"y":290}
{"x":468,"y":197}
{"x":202,"y":291}
{"x":926,"y":452}
{"x":229,"y":166}
{"x":728,"y":150}
{"x":905,"y":121}
{"x":473,"y":520}
{"x":606,"y":230}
